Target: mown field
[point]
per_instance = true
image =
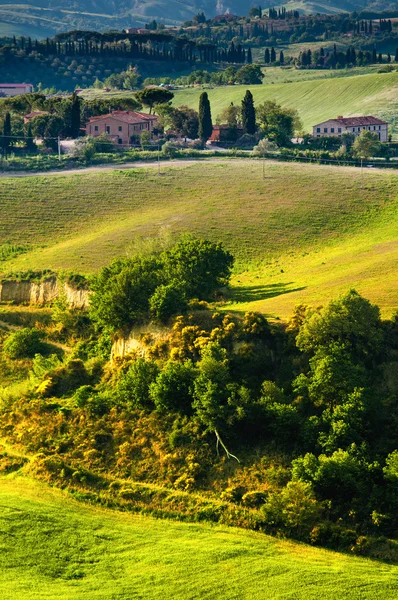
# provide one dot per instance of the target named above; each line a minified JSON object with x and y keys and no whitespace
{"x":305,"y":233}
{"x":53,"y":547}
{"x":316,"y":100}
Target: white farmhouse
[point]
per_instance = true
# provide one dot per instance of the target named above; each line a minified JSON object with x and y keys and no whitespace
{"x":336,"y":127}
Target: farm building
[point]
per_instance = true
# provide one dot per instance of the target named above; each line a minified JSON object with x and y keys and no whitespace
{"x":15,"y":89}
{"x":336,"y":127}
{"x":122,"y":126}
{"x":225,"y":133}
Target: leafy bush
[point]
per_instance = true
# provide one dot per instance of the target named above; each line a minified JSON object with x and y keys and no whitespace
{"x":168,"y":300}
{"x":24,"y":344}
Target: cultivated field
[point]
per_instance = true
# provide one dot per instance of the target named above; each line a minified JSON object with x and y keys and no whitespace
{"x":58,"y":548}
{"x":316,"y":100}
{"x":303,"y":234}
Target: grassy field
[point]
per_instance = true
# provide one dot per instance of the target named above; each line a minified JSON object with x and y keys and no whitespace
{"x":304,"y":234}
{"x":316,"y":100}
{"x":59,"y":549}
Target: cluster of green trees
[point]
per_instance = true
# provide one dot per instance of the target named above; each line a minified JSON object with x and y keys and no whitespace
{"x":268,"y":120}
{"x":159,"y":284}
{"x":341,"y":60}
{"x":318,"y":394}
{"x":281,"y":26}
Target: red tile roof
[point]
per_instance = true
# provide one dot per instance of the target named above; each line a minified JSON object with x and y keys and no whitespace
{"x":125,"y":116}
{"x":355,"y":121}
{"x":36,"y":113}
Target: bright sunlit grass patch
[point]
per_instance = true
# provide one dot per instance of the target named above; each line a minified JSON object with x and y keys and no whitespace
{"x":56,"y":548}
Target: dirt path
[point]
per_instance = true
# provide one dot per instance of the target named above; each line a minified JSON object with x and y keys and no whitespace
{"x":113,"y":167}
{"x":167,"y":164}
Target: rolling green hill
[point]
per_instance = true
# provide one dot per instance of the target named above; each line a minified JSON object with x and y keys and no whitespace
{"x":42,"y":17}
{"x":60,"y":549}
{"x":316,"y":100}
{"x":303,"y":234}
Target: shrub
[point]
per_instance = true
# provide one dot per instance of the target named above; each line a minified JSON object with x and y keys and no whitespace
{"x":133,"y":388}
{"x":24,"y":344}
{"x":167,"y":300}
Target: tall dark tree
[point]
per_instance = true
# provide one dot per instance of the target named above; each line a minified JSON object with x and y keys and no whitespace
{"x":273,"y":55}
{"x":267,"y":56}
{"x":6,"y":133}
{"x":249,"y":58}
{"x":75,"y":116}
{"x":248,"y":114}
{"x":29,"y":141}
{"x":205,"y":122}
{"x":281,"y":58}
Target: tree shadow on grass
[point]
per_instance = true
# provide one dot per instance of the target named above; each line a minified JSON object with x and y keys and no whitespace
{"x":253,"y":293}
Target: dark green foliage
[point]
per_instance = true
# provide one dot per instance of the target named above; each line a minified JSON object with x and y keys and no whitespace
{"x":200,"y":266}
{"x":6,"y":138}
{"x":75,"y":116}
{"x":24,"y":344}
{"x":250,"y":74}
{"x":168,"y":300}
{"x":122,"y":292}
{"x":127,"y":291}
{"x":133,"y":388}
{"x":248,"y":114}
{"x":173,"y":388}
{"x":152,"y":96}
{"x":205,"y":122}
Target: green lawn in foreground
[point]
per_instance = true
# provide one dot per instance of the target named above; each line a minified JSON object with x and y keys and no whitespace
{"x":316,"y":100}
{"x":304,"y":234}
{"x":53,"y":548}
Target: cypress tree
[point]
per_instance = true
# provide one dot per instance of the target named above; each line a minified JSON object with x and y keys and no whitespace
{"x":281,"y":58}
{"x":273,"y":55}
{"x":205,"y":122}
{"x":6,"y":133}
{"x":249,"y":58}
{"x":75,"y":116}
{"x":266,"y":56}
{"x":248,"y":114}
{"x":396,"y":55}
{"x":29,"y":141}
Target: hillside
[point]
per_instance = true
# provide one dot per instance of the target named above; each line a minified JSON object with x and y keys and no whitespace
{"x":62,"y":549}
{"x":304,"y":234}
{"x":42,"y":18}
{"x":316,"y":100}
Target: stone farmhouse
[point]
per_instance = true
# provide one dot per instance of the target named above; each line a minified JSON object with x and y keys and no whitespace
{"x":355,"y":125}
{"x":121,"y":126}
{"x":15,"y":89}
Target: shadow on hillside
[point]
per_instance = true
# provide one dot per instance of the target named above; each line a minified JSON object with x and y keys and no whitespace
{"x":253,"y":293}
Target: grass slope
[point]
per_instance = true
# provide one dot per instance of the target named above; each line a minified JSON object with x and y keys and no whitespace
{"x":59,"y":549}
{"x":304,"y":234}
{"x":316,"y":100}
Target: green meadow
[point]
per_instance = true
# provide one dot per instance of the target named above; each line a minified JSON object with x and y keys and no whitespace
{"x":316,"y":100}
{"x":305,"y":233}
{"x":54,"y":547}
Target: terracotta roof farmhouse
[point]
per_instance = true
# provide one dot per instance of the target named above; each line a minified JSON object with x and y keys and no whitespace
{"x":122,"y":126}
{"x":355,"y":125}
